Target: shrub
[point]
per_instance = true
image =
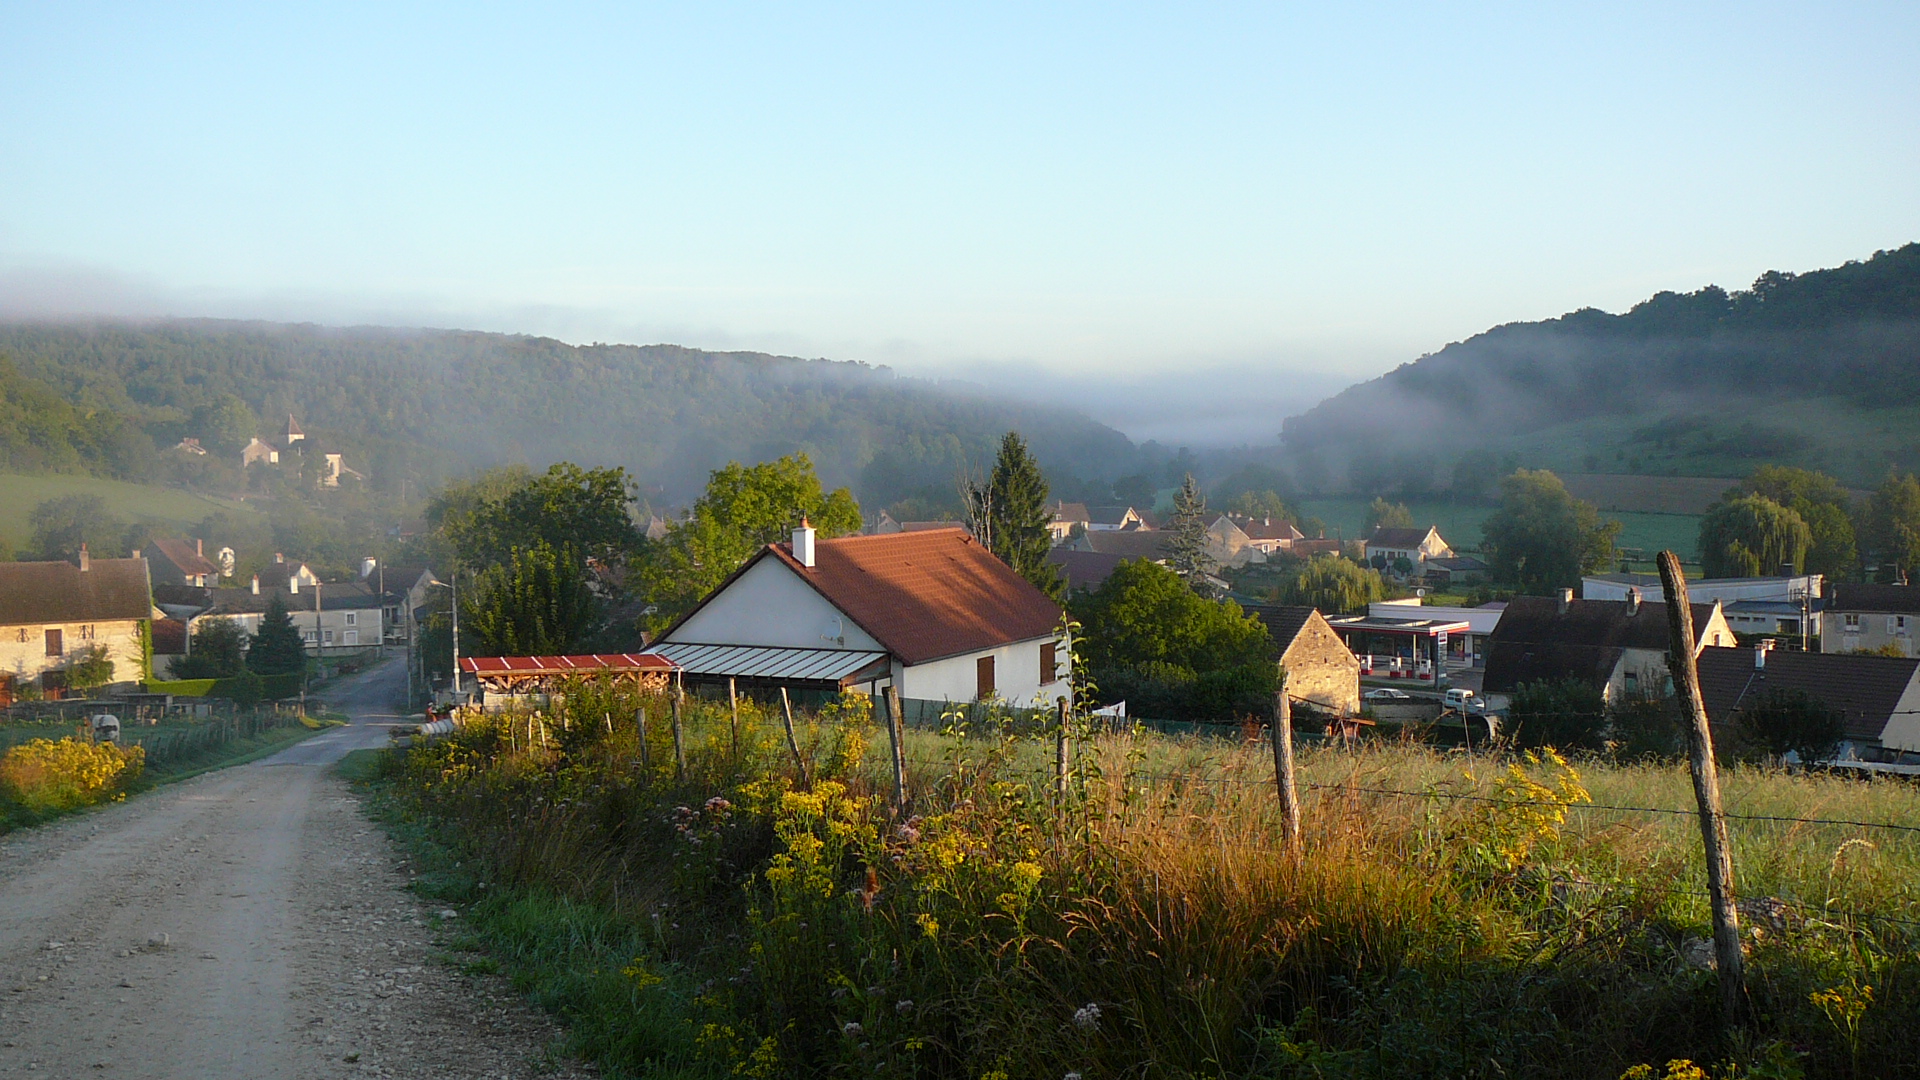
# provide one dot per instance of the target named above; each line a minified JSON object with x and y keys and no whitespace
{"x":46,"y":776}
{"x":1566,"y":713}
{"x":1790,"y":722}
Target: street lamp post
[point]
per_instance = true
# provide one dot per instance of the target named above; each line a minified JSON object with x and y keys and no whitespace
{"x":454,"y":587}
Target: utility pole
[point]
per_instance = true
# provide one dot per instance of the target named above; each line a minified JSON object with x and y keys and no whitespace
{"x":455,"y":586}
{"x":1682,"y":657}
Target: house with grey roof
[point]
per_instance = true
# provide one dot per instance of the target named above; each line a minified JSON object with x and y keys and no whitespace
{"x":54,"y":614}
{"x":1878,"y":697}
{"x":1866,"y":618}
{"x":1617,"y":646}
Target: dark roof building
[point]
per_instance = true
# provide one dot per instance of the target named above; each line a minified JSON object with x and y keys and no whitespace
{"x":91,"y":591}
{"x":1149,"y":544}
{"x":1873,"y":599}
{"x":176,"y":562}
{"x":1610,"y":644}
{"x":1084,"y":569}
{"x":1878,"y":696}
{"x":1321,"y":670}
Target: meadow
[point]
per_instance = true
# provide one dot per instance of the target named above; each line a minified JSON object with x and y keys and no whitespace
{"x":19,"y":494}
{"x":758,"y":913}
{"x":1460,"y":523}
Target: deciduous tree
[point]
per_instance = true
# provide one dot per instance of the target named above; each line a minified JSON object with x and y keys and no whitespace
{"x":1542,"y":537}
{"x":1143,"y":629}
{"x":213,"y":653}
{"x":1334,"y":585}
{"x":1752,"y":535}
{"x":1821,"y":501}
{"x":1893,"y":528}
{"x":537,"y":603}
{"x":1382,"y":514}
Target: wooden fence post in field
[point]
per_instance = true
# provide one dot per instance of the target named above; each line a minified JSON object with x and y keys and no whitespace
{"x":733,"y":700}
{"x":1062,"y":751}
{"x":1682,"y":657}
{"x":640,"y":723}
{"x":1283,"y":765}
{"x":896,"y":736}
{"x":679,"y":741}
{"x":793,"y":741}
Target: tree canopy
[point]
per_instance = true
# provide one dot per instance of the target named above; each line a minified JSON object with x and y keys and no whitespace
{"x":537,"y":603}
{"x":1187,"y":550}
{"x":1542,"y":537}
{"x":1751,"y":536}
{"x":277,"y":648}
{"x":1821,"y":501}
{"x":489,"y":517}
{"x":1382,"y":514}
{"x":215,"y":652}
{"x":1334,"y":585}
{"x":1893,"y":524}
{"x":1149,"y":639}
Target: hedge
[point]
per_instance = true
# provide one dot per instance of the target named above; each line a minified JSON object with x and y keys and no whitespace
{"x":272,"y":687}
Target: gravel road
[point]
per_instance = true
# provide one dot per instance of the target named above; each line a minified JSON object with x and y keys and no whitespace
{"x":247,"y":923}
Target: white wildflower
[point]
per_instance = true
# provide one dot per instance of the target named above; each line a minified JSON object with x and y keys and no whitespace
{"x":1087,"y":1017}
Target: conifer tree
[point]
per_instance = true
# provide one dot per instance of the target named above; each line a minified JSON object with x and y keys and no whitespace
{"x":1187,"y":548}
{"x":1011,"y":516}
{"x":277,"y":648}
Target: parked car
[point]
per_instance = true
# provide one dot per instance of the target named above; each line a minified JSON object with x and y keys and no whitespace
{"x":1387,"y":693}
{"x":1465,"y":701}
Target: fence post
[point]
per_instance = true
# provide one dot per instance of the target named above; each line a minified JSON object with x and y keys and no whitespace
{"x":733,"y":701}
{"x":793,"y":743}
{"x":1682,"y":655}
{"x":679,"y":741}
{"x":1283,"y":765}
{"x":896,"y":723}
{"x":640,"y":723}
{"x":1061,"y":752}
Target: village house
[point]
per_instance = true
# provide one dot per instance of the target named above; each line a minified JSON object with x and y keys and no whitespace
{"x":1322,"y":673}
{"x":1084,"y":570}
{"x":53,"y":614}
{"x":1386,"y":547}
{"x":259,"y":451}
{"x":1878,"y":697}
{"x":932,"y":614}
{"x":1450,"y":571}
{"x":1757,"y":606}
{"x":1267,"y":535}
{"x":176,"y":562}
{"x":331,"y":617}
{"x":1616,"y":646}
{"x":1869,"y":618}
{"x":404,"y":593}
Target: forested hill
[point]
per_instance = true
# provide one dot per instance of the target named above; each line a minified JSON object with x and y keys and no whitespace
{"x":1851,"y":331}
{"x":422,"y":404}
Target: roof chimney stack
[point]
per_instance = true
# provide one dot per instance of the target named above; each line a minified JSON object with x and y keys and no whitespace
{"x":85,"y":560}
{"x":1633,"y":602}
{"x":199,"y":547}
{"x":1566,"y":600}
{"x":1760,"y":650}
{"x":803,"y":543}
{"x":256,"y":584}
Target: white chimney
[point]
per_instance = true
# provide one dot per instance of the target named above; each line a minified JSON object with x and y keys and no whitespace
{"x":278,"y":557}
{"x":87,"y":560}
{"x":199,"y":547}
{"x":1760,"y":651}
{"x":1566,"y":600}
{"x":803,"y":543}
{"x":1633,"y":601}
{"x":293,"y":584}
{"x":367,"y":568}
{"x":256,"y":584}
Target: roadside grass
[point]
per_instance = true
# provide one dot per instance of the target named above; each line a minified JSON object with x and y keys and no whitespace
{"x":1146,"y":924}
{"x":20,"y":493}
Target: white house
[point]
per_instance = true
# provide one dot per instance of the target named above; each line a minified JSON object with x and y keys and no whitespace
{"x":55,"y":613}
{"x":331,"y":618}
{"x":1414,"y":545}
{"x":931,"y":613}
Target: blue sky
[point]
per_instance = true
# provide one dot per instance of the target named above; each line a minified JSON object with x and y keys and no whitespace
{"x":1315,"y":192}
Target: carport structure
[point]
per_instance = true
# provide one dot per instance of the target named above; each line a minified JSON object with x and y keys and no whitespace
{"x":1411,"y":649}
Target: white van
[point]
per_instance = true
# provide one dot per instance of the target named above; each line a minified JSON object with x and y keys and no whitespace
{"x":1462,"y":700}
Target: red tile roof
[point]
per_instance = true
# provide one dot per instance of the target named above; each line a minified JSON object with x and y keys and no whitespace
{"x":587,"y":664}
{"x":925,"y":595}
{"x":183,"y":556}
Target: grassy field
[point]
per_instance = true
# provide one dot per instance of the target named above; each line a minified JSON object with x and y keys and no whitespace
{"x":1460,"y":524}
{"x":1447,"y":916}
{"x":133,"y":502}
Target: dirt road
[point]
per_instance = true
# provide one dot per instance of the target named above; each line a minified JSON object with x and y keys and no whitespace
{"x":247,"y":923}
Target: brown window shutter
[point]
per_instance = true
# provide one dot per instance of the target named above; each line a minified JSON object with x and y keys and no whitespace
{"x":1049,"y":670}
{"x":983,"y":674}
{"x":55,"y":646}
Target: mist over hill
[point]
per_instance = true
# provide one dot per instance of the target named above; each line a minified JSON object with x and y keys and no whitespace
{"x":1702,"y":380}
{"x":420,"y":405}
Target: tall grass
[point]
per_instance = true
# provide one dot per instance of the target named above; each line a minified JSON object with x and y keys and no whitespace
{"x":1147,"y":923}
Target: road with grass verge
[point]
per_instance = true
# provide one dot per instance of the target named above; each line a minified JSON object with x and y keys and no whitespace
{"x":246,"y":923}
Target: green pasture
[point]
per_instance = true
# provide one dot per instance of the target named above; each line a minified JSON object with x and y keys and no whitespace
{"x":1460,"y":524}
{"x":19,"y":494}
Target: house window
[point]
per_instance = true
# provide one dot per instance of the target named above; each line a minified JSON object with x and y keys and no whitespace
{"x":983,"y":678}
{"x":1851,"y":623}
{"x":1897,"y":625}
{"x":56,"y":646}
{"x":329,"y":640}
{"x":1049,"y":671}
{"x":353,"y":618}
{"x":310,"y":636}
{"x":349,"y":637}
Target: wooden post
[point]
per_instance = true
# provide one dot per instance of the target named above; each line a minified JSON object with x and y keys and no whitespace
{"x":896,"y":735}
{"x":1681,"y":662}
{"x":679,"y":741}
{"x":733,"y":700}
{"x":1061,"y":751}
{"x":640,"y":722}
{"x":793,"y":743}
{"x":1283,"y":765}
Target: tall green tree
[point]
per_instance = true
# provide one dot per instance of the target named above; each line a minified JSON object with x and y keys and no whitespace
{"x":1334,"y":585}
{"x":224,"y":425}
{"x":744,"y":509}
{"x":1821,"y":501}
{"x":61,"y":524}
{"x":537,"y":603}
{"x":1791,"y":722}
{"x":1148,"y":638}
{"x":1542,"y":537}
{"x":1751,"y":536}
{"x":277,"y":648}
{"x":1010,"y":514}
{"x":566,"y":506}
{"x":1187,"y":550}
{"x":1893,"y":524}
{"x":214,"y":652}
{"x":1382,"y":514}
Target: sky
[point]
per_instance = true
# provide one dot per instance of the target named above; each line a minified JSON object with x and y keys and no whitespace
{"x":1155,"y":207}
